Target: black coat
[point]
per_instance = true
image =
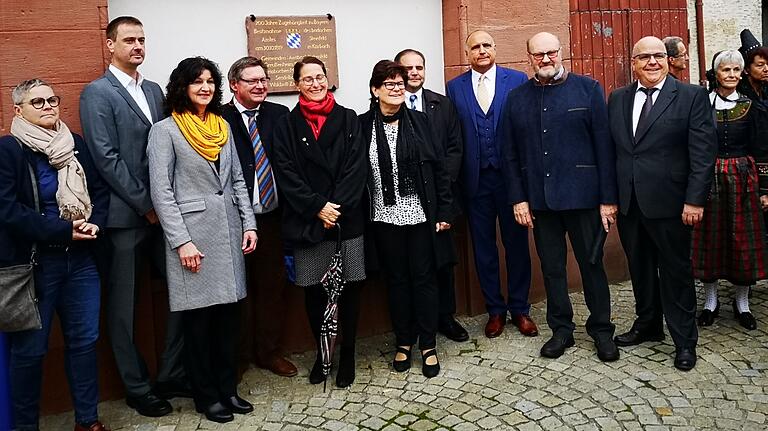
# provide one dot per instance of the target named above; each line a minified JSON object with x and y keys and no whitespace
{"x":312,"y":172}
{"x":20,"y":224}
{"x":433,"y":182}
{"x":269,"y":114}
{"x":446,"y":130}
{"x":671,"y":161}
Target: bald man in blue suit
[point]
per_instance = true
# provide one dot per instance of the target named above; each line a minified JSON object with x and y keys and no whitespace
{"x":479,"y":96}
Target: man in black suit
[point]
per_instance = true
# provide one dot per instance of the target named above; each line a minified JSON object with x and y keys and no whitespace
{"x":447,"y":131}
{"x":666,"y":143}
{"x":252,"y":119}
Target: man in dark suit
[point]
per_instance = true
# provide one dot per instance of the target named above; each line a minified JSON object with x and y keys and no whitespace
{"x":561,"y":170}
{"x":665,"y":139}
{"x":479,"y":96}
{"x":447,"y":131}
{"x":116,"y":113}
{"x":252,"y":119}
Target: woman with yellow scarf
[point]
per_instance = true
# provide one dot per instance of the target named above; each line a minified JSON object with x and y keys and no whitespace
{"x":200,"y":196}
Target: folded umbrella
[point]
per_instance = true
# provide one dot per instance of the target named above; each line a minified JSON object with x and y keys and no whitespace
{"x":333,"y":283}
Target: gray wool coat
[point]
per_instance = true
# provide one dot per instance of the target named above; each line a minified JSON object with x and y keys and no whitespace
{"x":195,"y":203}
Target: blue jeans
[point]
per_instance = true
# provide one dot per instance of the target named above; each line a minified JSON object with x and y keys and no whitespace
{"x":67,"y":283}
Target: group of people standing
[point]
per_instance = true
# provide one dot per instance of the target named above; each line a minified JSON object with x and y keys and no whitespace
{"x":180,"y":177}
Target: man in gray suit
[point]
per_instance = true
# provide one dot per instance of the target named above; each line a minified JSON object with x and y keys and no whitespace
{"x":116,"y":112}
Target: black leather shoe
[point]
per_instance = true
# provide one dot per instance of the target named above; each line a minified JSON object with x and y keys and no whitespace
{"x":149,"y":405}
{"x":346,"y":374}
{"x":747,"y":320}
{"x":606,"y":350}
{"x":172,"y":389}
{"x":453,"y":330}
{"x":217,"y":412}
{"x":237,"y":405}
{"x":405,"y":364}
{"x":316,"y":376}
{"x":634,"y":337}
{"x":707,"y":317}
{"x":429,"y":371}
{"x":555,"y":347}
{"x":685,"y":358}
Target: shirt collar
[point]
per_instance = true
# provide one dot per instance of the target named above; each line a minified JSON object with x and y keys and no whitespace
{"x":241,"y":108}
{"x":657,"y":86}
{"x":560,"y":75}
{"x":490,"y":74}
{"x":124,"y":78}
{"x":417,"y":93}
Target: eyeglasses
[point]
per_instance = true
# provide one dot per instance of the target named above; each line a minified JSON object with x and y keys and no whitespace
{"x":39,"y":102}
{"x":645,"y":58}
{"x":309,"y":80}
{"x":538,"y":56}
{"x":389,"y":85}
{"x":683,"y":55}
{"x":254,"y":82}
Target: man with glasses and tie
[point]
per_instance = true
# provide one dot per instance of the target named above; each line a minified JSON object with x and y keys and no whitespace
{"x":677,"y":55}
{"x":666,"y":143}
{"x":479,"y":96}
{"x":252,"y":120}
{"x":442,"y":117}
{"x":561,"y":173}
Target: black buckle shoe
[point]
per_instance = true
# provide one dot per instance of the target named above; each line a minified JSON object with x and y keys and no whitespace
{"x":149,"y":405}
{"x":453,"y":330}
{"x":429,"y":371}
{"x":707,"y":317}
{"x":405,"y":364}
{"x":237,"y":405}
{"x":555,"y":347}
{"x":746,"y":319}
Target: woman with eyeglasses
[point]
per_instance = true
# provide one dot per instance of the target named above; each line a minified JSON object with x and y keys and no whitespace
{"x":319,"y":163}
{"x":728,"y":242}
{"x":61,"y":213}
{"x":410,"y":202}
{"x":199,"y":194}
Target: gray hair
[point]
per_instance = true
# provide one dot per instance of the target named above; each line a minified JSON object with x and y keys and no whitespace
{"x":728,"y":56}
{"x":237,"y":68}
{"x":20,"y":91}
{"x":671,"y":43}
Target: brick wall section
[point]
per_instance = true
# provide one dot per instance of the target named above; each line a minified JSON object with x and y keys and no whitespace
{"x":60,"y":43}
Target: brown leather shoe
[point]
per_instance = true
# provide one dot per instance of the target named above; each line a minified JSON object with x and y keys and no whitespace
{"x":495,"y":325}
{"x":525,"y":324}
{"x":280,"y":366}
{"x":97,"y":426}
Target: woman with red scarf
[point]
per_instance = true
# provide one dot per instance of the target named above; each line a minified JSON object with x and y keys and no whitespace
{"x":319,"y":160}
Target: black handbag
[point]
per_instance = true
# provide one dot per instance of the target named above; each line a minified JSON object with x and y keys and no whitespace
{"x":18,"y":303}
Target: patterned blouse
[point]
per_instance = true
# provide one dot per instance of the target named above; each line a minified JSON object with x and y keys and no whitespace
{"x":407,"y":210}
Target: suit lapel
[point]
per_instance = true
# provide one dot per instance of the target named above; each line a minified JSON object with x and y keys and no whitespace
{"x":469,"y":95}
{"x":498,"y":95}
{"x":128,"y":99}
{"x":153,"y":109}
{"x":628,"y":107}
{"x":307,"y":142}
{"x":666,"y":96}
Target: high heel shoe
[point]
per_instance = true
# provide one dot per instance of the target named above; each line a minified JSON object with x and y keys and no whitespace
{"x":746,"y":319}
{"x":707,"y":317}
{"x":316,"y":376}
{"x":405,"y":364}
{"x":346,"y":374}
{"x":429,"y":371}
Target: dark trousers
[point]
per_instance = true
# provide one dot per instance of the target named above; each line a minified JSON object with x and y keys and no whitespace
{"x":267,"y":289}
{"x":67,"y":284}
{"x":446,"y":292}
{"x":406,"y":254}
{"x":315,"y":300}
{"x":583,"y":228}
{"x":210,"y":351}
{"x":658,"y":252}
{"x":132,"y":248}
{"x":488,"y":205}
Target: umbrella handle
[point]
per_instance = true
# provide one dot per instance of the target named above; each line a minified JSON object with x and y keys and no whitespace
{"x":338,"y":240}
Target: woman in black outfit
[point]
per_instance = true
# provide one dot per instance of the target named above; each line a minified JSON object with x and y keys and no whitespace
{"x":319,"y":163}
{"x":410,"y":202}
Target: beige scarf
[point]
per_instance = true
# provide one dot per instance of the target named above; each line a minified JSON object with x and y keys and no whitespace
{"x":59,"y":146}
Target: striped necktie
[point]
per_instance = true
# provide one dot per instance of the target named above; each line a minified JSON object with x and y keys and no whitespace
{"x":264,"y":179}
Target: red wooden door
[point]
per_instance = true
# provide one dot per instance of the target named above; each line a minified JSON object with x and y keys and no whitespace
{"x":603,"y":32}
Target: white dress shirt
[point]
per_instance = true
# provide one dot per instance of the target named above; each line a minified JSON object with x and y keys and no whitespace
{"x":640,"y":97}
{"x":258,"y":208}
{"x":419,"y":101}
{"x":489,"y":79}
{"x":133,"y":87}
{"x":719,"y":103}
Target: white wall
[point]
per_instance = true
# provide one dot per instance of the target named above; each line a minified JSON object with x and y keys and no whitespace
{"x":366,"y":32}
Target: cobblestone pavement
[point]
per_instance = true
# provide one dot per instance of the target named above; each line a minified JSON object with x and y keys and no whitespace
{"x":503,"y":384}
